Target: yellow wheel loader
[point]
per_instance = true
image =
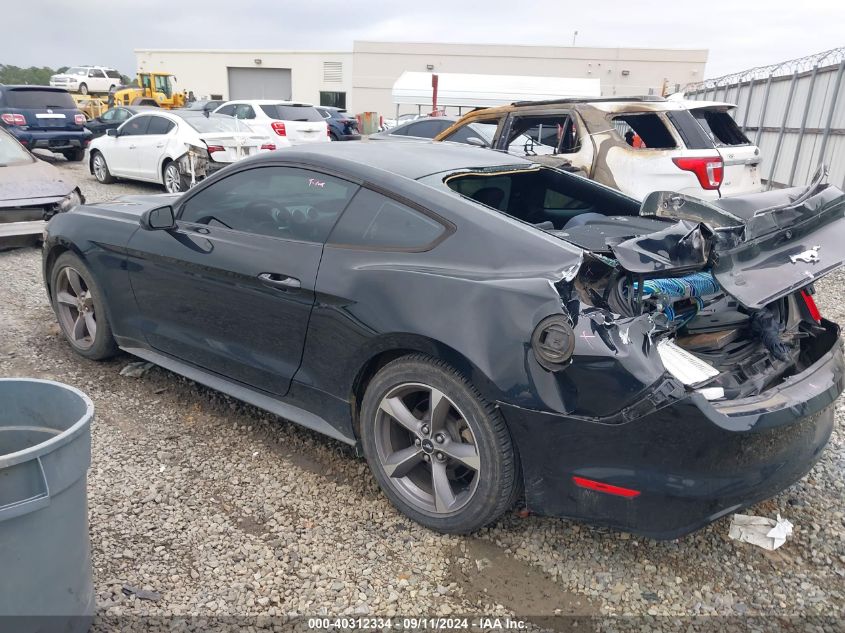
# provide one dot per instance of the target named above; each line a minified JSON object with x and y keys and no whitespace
{"x":154,"y":89}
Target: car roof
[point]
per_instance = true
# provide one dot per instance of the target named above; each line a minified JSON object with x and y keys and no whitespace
{"x":637,"y":99}
{"x":270,"y":102}
{"x":614,"y":105}
{"x":138,"y":108}
{"x":410,"y":160}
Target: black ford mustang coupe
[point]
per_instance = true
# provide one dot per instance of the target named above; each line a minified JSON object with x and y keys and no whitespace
{"x":483,"y":327}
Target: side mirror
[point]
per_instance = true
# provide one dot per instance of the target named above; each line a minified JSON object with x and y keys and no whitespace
{"x":112,"y":132}
{"x":158,"y":219}
{"x":474,"y":140}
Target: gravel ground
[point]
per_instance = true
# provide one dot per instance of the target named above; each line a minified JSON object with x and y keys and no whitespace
{"x":225,"y":510}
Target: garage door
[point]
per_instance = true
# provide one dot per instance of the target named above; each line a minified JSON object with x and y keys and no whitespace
{"x":259,"y":83}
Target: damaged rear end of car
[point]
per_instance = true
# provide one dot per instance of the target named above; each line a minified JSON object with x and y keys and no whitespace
{"x":689,"y":373}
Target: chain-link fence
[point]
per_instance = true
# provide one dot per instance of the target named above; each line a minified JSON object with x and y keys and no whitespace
{"x":793,"y":111}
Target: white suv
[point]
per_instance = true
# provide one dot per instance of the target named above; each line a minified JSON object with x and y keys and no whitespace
{"x":634,"y":144}
{"x":286,"y":122}
{"x":87,"y":79}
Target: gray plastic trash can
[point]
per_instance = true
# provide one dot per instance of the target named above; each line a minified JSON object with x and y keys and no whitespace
{"x":45,"y":550}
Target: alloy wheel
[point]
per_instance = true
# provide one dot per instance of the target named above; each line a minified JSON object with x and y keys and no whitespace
{"x":172,"y":179}
{"x":100,"y":167}
{"x":75,"y":308}
{"x":427,"y":449}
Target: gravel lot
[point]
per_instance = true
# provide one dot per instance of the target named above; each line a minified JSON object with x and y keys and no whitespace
{"x":225,"y":510}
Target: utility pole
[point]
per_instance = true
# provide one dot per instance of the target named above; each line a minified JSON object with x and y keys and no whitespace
{"x":574,"y":35}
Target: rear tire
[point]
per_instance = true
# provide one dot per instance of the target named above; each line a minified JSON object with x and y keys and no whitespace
{"x":83,"y":89}
{"x":101,"y":169}
{"x":451,"y":467}
{"x":174,"y":181}
{"x":333,"y":136}
{"x":74,"y":155}
{"x":79,"y":304}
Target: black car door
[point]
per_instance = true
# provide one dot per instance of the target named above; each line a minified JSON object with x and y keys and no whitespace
{"x":232,"y":287}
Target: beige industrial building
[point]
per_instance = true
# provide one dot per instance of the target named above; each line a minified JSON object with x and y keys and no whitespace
{"x":362,"y":80}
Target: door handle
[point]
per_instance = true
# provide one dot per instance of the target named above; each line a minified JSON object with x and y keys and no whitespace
{"x":160,"y":145}
{"x":277,"y":280}
{"x":132,"y":146}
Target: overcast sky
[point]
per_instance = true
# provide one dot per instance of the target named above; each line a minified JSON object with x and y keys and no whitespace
{"x":738,"y":33}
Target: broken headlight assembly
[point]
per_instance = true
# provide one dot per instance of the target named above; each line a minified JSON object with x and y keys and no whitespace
{"x":553,"y":342}
{"x":71,"y":200}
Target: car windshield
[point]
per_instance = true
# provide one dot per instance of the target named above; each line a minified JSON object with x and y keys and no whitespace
{"x":39,"y":98}
{"x":11,"y":153}
{"x":215,"y":123}
{"x":76,"y":71}
{"x":291,"y":112}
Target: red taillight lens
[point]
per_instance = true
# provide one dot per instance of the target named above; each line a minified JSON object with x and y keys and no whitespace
{"x":709,"y":170}
{"x":216,"y":148}
{"x":268,"y":146}
{"x":13,"y":119}
{"x":811,"y":306}
{"x":328,"y":131}
{"x":79,"y":119}
{"x":598,"y":486}
{"x":279,"y":128}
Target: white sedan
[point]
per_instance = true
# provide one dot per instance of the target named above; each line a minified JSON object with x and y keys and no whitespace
{"x":288,"y":123}
{"x":175,"y":149}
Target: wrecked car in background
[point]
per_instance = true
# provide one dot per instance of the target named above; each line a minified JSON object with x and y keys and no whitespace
{"x":175,"y":149}
{"x":31,"y":192}
{"x":480,"y":324}
{"x":634,"y":144}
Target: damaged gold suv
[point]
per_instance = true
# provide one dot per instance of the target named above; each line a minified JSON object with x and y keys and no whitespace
{"x":634,"y":144}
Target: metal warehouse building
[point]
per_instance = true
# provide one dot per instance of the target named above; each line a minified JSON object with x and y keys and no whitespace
{"x":362,"y":79}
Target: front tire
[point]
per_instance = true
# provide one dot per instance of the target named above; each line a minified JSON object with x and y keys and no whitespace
{"x":78,"y":302}
{"x":440,"y":452}
{"x":101,"y":169}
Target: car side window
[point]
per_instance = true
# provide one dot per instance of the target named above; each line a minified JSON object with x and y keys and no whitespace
{"x":109,"y":115}
{"x":427,"y":129}
{"x":228,"y":110}
{"x":244,"y":111}
{"x":159,"y":125}
{"x":376,"y":221}
{"x":283,"y":202}
{"x":135,"y":126}
{"x":482,"y":130}
{"x":121,"y":115}
{"x":549,"y":134}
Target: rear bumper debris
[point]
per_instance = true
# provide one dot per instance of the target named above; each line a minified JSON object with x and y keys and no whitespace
{"x":690,"y":462}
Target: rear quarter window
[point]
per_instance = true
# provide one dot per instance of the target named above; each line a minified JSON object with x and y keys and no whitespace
{"x":721,"y":127}
{"x":691,"y":133}
{"x":373,"y":220}
{"x":644,"y":131}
